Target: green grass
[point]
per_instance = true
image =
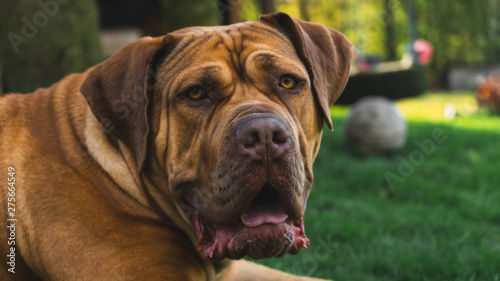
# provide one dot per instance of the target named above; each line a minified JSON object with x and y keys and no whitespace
{"x":441,"y":222}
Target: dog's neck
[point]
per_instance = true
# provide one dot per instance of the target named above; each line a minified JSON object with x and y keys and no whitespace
{"x":150,"y":187}
{"x":118,"y":163}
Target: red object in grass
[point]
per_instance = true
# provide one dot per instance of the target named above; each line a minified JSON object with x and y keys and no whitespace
{"x":488,"y":94}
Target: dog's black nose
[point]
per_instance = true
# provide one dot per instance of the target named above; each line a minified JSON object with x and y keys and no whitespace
{"x":262,"y":136}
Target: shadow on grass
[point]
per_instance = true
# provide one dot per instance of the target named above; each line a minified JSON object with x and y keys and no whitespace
{"x":439,"y":222}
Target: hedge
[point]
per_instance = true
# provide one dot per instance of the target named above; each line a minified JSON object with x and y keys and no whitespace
{"x":43,"y":40}
{"x":392,"y":85}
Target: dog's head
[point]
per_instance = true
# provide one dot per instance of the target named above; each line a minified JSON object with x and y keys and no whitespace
{"x":225,"y":122}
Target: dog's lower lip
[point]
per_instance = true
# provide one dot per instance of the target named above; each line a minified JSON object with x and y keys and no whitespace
{"x":236,"y":240}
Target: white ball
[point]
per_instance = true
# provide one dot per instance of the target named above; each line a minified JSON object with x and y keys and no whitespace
{"x":375,"y":125}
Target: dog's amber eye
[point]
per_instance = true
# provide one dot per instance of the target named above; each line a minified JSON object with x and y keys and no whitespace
{"x":287,"y":82}
{"x":196,"y":93}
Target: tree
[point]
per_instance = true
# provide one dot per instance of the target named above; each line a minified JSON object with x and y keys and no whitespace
{"x":459,"y":31}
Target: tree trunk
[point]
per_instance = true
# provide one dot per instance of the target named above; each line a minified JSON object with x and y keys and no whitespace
{"x":267,"y":6}
{"x":229,"y":11}
{"x":412,"y":18}
{"x":304,"y":9}
{"x":390,"y":49}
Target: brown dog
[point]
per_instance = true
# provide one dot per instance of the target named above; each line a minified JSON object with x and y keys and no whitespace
{"x":172,"y":158}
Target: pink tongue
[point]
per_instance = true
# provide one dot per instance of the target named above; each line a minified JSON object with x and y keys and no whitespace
{"x":257,"y":215}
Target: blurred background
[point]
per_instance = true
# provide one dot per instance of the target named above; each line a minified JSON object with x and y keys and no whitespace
{"x":455,"y":37}
{"x":407,"y":187}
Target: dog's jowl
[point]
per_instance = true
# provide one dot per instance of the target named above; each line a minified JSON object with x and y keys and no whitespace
{"x":173,"y":159}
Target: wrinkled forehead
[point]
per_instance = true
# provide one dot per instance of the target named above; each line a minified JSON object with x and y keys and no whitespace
{"x":233,"y":43}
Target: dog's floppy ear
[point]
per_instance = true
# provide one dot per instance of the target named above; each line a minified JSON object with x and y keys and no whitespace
{"x":325,"y":52}
{"x":117,"y":92}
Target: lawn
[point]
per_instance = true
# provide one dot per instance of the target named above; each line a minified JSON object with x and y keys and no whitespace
{"x":429,"y":213}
